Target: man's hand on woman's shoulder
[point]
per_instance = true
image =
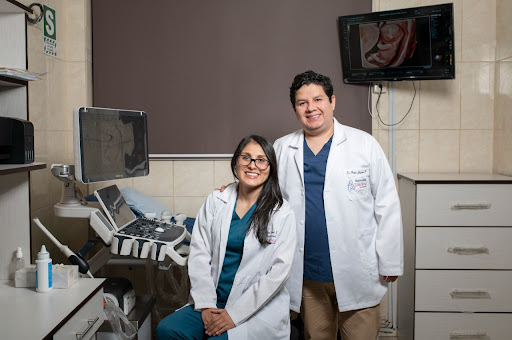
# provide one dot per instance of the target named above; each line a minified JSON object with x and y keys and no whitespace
{"x":222,"y":188}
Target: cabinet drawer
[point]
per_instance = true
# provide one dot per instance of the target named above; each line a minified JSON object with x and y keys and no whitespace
{"x":462,"y":326}
{"x":463,"y":291}
{"x":463,"y":205}
{"x":463,"y":248}
{"x":85,"y":322}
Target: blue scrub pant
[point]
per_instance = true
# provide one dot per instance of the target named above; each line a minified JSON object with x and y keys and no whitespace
{"x":185,"y":324}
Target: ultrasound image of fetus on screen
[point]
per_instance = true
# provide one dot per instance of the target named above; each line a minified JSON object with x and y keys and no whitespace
{"x":387,"y":44}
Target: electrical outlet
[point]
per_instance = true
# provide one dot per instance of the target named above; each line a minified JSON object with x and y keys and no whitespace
{"x":377,"y":90}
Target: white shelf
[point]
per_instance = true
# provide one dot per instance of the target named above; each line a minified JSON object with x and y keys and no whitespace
{"x":12,"y":82}
{"x":15,"y":77}
{"x":14,"y":178}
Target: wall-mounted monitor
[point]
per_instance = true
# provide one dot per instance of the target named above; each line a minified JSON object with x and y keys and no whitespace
{"x":403,"y":44}
{"x":109,"y":144}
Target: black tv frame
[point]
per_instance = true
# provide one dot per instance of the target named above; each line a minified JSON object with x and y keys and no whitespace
{"x":435,"y":61}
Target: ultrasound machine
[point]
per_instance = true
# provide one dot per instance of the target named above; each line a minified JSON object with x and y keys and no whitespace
{"x":109,"y":145}
{"x":140,"y":237}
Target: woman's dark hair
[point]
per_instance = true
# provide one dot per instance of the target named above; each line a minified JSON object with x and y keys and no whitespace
{"x":270,"y":197}
{"x":307,"y":78}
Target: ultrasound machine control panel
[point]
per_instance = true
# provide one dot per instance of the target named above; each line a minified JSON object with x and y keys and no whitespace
{"x":139,"y":237}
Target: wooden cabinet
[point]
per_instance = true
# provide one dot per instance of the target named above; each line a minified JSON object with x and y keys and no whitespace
{"x":457,"y":257}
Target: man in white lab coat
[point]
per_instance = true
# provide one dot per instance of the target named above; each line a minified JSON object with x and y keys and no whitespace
{"x":349,"y":229}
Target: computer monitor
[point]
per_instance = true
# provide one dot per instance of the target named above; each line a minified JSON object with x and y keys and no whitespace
{"x":109,"y":144}
{"x":402,"y":44}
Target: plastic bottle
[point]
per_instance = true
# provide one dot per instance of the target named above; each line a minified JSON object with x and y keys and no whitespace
{"x":18,"y":263}
{"x":43,"y":271}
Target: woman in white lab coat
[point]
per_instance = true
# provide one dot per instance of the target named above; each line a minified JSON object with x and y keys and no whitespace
{"x":241,"y":252}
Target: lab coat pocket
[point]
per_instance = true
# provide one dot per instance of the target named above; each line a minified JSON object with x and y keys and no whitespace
{"x":367,"y":250}
{"x":248,"y":281}
{"x":276,"y":313}
{"x":357,"y":184}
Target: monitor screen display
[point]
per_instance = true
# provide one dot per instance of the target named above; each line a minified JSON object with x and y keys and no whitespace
{"x":110,"y":144}
{"x":403,"y":44}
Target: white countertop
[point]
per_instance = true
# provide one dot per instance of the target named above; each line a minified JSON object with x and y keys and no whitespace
{"x":27,"y":314}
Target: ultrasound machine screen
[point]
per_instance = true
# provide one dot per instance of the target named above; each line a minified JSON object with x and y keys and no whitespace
{"x":110,"y":144}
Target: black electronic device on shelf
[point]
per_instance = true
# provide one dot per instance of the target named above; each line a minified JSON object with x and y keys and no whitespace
{"x":402,"y":44}
{"x":16,"y":141}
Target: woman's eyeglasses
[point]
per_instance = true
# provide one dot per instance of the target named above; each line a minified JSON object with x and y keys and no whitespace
{"x":260,"y":163}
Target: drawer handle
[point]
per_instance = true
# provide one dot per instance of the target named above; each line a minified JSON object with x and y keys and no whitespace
{"x":84,"y":333}
{"x":468,"y":250}
{"x":470,"y":335}
{"x":470,"y":294}
{"x":470,"y":206}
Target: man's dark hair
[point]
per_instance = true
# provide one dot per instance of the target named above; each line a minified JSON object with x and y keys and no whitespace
{"x":270,"y":197}
{"x":310,"y":77}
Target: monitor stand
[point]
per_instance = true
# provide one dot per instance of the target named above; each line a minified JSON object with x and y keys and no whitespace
{"x":69,"y":205}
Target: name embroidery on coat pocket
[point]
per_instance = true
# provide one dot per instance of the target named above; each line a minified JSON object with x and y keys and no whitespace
{"x":272,"y":237}
{"x":358,"y":180}
{"x":355,"y":185}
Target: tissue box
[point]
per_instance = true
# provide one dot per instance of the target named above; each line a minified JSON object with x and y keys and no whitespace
{"x":63,"y":276}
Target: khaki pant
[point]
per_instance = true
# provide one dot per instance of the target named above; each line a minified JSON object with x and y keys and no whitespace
{"x":322,"y":320}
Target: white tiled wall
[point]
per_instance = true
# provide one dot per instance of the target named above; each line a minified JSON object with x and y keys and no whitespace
{"x":503,"y":80}
{"x":460,"y":125}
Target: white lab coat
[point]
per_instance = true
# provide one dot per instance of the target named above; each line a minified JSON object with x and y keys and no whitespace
{"x":362,"y":212}
{"x":258,"y":302}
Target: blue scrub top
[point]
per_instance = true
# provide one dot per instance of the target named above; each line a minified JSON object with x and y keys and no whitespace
{"x":317,"y":259}
{"x":234,"y":252}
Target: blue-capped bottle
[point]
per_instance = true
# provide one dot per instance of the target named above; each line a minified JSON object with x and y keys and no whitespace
{"x":43,"y":271}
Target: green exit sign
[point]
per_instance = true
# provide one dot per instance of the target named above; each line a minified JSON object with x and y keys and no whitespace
{"x":50,"y":31}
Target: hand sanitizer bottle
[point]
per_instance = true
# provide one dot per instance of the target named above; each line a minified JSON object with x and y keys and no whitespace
{"x":43,"y":271}
{"x":18,"y":263}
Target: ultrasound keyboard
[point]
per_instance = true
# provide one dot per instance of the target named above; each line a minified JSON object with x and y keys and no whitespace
{"x":141,"y":237}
